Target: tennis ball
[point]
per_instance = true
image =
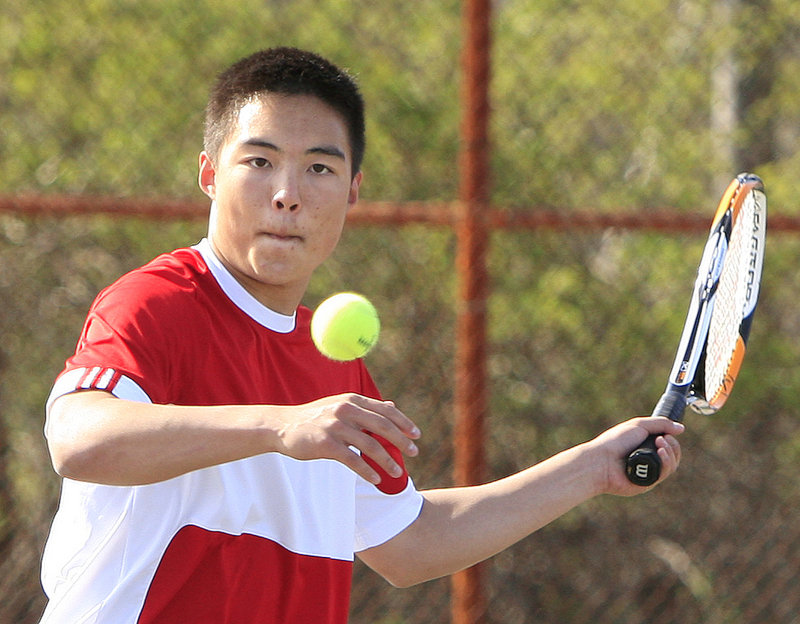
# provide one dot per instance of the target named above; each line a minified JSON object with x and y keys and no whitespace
{"x":345,"y":326}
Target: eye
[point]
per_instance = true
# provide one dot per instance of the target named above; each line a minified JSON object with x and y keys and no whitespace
{"x":320,"y":168}
{"x":259,"y":163}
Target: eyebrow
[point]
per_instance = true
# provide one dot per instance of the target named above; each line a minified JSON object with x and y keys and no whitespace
{"x":326,"y":150}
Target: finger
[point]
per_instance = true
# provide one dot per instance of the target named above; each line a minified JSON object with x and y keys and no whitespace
{"x":372,"y":448}
{"x":383,"y":422}
{"x":355,"y":462}
{"x":669,"y":453}
{"x":661,"y":425}
{"x":389,"y":410}
{"x":675,"y":447}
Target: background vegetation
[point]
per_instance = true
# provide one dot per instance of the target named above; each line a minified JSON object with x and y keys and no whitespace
{"x":599,"y":106}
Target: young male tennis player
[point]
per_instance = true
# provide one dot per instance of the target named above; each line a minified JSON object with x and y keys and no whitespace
{"x":208,"y":451}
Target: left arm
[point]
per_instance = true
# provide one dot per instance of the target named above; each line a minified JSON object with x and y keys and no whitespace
{"x":459,"y":527}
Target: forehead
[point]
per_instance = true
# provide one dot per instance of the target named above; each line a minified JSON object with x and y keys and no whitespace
{"x":290,"y":119}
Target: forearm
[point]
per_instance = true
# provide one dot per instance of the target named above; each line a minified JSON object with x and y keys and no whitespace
{"x":489,"y":518}
{"x":93,"y":436}
{"x":459,"y":527}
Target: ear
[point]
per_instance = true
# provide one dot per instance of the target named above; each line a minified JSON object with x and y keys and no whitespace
{"x":355,"y":185}
{"x":207,"y":176}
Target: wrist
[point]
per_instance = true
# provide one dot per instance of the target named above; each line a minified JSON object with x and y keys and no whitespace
{"x":270,"y":423}
{"x":594,"y":467}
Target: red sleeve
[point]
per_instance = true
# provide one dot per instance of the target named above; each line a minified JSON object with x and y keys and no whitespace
{"x":388,"y":484}
{"x":129,"y":329}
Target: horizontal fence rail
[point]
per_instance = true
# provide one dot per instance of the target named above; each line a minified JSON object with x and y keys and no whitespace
{"x":392,"y":213}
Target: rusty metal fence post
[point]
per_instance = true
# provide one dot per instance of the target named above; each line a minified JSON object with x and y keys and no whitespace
{"x":468,"y":602}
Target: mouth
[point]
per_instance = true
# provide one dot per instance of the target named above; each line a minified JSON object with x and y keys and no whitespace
{"x":282,"y":236}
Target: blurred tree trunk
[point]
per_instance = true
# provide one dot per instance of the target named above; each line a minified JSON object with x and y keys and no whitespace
{"x":724,"y":114}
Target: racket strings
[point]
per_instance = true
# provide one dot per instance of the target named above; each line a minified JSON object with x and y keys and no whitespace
{"x":725,"y":346}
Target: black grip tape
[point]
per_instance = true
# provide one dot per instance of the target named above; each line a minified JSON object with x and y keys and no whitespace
{"x":643,"y":466}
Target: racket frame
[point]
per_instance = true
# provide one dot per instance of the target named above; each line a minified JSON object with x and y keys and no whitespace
{"x":686,"y":383}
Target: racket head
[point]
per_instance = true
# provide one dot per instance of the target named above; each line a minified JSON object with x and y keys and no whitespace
{"x":741,"y":219}
{"x":720,"y":314}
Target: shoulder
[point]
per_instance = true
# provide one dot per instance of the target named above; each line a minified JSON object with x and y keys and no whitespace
{"x":169,"y":276}
{"x":170,"y":271}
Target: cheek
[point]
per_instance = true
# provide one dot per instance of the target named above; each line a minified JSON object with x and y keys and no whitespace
{"x":238,"y":191}
{"x":242,"y":203}
{"x":228,"y":224}
{"x":330,"y":225}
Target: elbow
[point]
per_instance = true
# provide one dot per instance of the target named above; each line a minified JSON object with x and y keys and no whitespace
{"x":74,"y":455}
{"x":61,"y":457}
{"x":401,"y":581}
{"x":65,"y":468}
{"x":60,"y":462}
{"x":396,"y":570}
{"x":406,"y":582}
{"x":398,"y":579}
{"x":79,"y":459}
{"x":403,"y":577}
{"x":76,"y":452}
{"x":70,"y":462}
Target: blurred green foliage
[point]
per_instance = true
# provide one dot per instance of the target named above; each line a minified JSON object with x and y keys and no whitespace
{"x":596,"y":106}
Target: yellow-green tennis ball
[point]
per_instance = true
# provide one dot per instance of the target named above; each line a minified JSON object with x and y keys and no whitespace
{"x":345,"y":326}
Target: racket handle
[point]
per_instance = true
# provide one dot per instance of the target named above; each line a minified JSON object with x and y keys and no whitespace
{"x":643,"y":466}
{"x":672,"y":404}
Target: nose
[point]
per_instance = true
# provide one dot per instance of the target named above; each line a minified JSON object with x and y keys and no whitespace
{"x":286,"y":196}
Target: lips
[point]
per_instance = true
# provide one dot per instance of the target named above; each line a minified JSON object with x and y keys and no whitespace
{"x":282,"y":236}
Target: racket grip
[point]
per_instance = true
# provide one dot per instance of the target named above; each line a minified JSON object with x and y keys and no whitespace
{"x":672,"y":404}
{"x":643,"y":466}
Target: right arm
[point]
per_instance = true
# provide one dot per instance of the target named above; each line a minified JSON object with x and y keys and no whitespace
{"x":461,"y":526}
{"x":94,"y":436}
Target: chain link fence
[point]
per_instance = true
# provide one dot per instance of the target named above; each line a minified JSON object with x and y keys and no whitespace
{"x":603,"y":108}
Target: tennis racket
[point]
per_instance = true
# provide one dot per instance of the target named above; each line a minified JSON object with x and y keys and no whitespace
{"x":714,"y":336}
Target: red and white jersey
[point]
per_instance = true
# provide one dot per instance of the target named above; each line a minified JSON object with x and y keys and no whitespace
{"x":263,"y":539}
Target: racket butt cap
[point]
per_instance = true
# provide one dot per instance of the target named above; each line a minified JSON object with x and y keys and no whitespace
{"x":643,"y":466}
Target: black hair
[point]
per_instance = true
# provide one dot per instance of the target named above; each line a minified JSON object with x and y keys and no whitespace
{"x":285,"y":71}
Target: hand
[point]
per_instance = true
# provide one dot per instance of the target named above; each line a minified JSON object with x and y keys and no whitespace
{"x":616,"y":443}
{"x":330,"y":428}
